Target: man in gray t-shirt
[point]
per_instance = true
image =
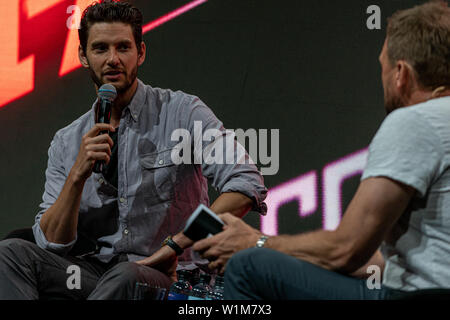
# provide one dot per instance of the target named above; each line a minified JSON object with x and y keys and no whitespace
{"x":413,"y":147}
{"x":402,"y":204}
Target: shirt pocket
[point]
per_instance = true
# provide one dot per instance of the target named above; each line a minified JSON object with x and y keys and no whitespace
{"x":159,"y":174}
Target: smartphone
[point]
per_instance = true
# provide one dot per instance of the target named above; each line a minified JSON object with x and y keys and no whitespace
{"x":202,"y":223}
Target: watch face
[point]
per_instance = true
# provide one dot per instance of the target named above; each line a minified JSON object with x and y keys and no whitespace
{"x":166,"y":240}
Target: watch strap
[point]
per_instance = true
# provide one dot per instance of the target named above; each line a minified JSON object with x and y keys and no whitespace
{"x":172,"y":244}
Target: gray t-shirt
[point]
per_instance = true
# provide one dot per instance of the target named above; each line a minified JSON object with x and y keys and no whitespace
{"x":412,"y":146}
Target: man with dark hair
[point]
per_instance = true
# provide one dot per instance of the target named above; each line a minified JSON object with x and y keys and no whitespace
{"x":111,"y":12}
{"x":141,"y":198}
{"x":402,"y":203}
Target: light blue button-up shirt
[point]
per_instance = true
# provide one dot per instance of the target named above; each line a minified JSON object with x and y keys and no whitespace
{"x":154,"y":196}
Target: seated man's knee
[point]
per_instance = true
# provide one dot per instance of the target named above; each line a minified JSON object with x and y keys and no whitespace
{"x":126,"y":272}
{"x":127,"y":269}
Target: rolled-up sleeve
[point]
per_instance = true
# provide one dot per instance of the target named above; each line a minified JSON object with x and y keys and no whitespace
{"x":225,"y":162}
{"x":55,"y":177}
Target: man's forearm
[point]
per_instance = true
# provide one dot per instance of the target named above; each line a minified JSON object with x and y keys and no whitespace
{"x":233,"y":202}
{"x":322,"y":248}
{"x":59,"y":222}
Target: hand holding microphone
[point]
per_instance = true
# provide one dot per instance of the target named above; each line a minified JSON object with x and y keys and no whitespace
{"x":96,"y":144}
{"x":106,"y":95}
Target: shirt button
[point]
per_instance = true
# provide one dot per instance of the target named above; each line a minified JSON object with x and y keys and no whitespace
{"x":161,"y":161}
{"x":122,"y":200}
{"x":126,"y":231}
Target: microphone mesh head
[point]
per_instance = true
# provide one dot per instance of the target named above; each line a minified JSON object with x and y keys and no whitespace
{"x":107,"y":91}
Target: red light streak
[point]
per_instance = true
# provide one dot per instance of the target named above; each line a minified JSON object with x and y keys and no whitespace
{"x":34,"y":7}
{"x":172,"y":15}
{"x":16,"y":77}
{"x":70,"y":60}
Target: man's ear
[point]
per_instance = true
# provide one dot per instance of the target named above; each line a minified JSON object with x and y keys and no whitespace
{"x":404,"y":77}
{"x":141,"y":53}
{"x":83,"y":59}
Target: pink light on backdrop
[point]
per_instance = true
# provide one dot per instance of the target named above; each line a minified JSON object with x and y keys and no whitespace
{"x":333,"y":176}
{"x":172,"y":15}
{"x":303,"y":189}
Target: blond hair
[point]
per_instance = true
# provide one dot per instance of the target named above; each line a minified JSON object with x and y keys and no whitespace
{"x":421,"y":36}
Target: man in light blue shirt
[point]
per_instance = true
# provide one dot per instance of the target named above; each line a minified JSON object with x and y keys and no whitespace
{"x":142,"y":196}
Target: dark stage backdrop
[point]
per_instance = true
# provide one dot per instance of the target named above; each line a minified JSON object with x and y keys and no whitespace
{"x":307,"y":68}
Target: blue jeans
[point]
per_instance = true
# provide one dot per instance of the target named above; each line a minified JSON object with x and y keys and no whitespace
{"x":265,"y":274}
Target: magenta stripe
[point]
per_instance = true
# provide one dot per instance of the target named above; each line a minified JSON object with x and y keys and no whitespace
{"x":172,"y":15}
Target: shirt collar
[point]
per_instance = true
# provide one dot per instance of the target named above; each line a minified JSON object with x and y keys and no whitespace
{"x":136,"y":104}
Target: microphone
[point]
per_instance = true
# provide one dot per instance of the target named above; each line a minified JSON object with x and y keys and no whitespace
{"x":106,"y":95}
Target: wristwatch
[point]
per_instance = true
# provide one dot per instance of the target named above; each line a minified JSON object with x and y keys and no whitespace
{"x":169,"y":242}
{"x":261,"y":241}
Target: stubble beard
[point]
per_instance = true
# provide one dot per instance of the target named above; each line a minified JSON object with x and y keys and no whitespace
{"x":129,"y":80}
{"x":392,"y":101}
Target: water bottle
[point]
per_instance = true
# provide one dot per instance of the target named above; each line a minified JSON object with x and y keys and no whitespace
{"x":217,"y":291}
{"x":181,"y":289}
{"x":194,"y":276}
{"x":200,"y":290}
